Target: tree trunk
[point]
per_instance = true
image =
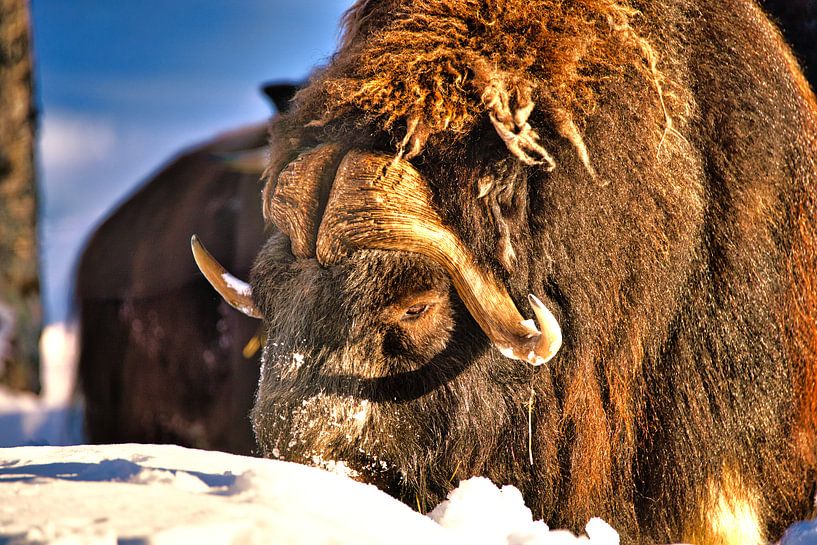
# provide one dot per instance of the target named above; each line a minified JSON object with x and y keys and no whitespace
{"x":20,"y":314}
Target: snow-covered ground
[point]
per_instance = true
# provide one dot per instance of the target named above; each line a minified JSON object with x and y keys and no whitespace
{"x":54,"y":417}
{"x":162,"y":494}
{"x":152,"y":494}
{"x":159,"y":494}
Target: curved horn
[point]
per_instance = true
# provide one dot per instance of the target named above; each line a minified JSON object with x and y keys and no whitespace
{"x":379,"y":202}
{"x":237,"y":293}
{"x":296,"y":201}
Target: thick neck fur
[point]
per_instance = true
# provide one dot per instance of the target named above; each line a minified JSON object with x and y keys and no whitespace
{"x":664,"y":250}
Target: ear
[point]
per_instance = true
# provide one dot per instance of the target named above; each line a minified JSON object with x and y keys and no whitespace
{"x":280,"y":93}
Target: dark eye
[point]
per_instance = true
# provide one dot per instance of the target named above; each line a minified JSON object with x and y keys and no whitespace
{"x":414,"y":312}
{"x":415,"y":309}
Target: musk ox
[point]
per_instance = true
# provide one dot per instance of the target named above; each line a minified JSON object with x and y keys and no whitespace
{"x":159,"y":361}
{"x":564,"y":244}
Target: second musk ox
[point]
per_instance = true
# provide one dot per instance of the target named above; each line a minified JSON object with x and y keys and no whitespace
{"x":159,"y":362}
{"x":645,"y":169}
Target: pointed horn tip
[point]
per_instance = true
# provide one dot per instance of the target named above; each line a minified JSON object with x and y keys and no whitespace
{"x":196,"y":247}
{"x":550,"y":340}
{"x":534,"y":301}
{"x":547,"y":337}
{"x":200,"y":255}
{"x":235,"y":292}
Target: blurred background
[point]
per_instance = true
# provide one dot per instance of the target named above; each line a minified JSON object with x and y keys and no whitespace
{"x":124,"y":128}
{"x":123,"y":86}
{"x":119,"y":90}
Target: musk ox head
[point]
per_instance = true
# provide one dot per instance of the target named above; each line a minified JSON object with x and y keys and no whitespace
{"x":431,"y":245}
{"x":469,"y":188}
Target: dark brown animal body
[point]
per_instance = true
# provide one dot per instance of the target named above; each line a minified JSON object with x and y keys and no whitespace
{"x":646,"y":168}
{"x":159,"y":361}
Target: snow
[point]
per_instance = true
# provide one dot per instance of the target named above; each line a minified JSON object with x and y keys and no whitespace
{"x":237,"y":285}
{"x":54,"y":417}
{"x":161,"y":494}
{"x":480,"y":512}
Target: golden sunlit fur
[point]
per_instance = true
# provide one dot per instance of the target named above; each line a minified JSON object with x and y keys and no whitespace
{"x":649,"y":168}
{"x":728,"y":514}
{"x":457,"y":53}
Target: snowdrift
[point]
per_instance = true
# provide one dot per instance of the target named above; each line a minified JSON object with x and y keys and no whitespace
{"x":160,"y":494}
{"x":171,"y":495}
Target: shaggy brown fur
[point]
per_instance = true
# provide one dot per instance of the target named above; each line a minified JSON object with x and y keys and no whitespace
{"x":802,"y":302}
{"x":649,"y":168}
{"x":462,"y":50}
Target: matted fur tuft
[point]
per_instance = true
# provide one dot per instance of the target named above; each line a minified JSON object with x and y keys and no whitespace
{"x":472,"y":57}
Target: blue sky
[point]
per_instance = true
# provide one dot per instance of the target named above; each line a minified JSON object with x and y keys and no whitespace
{"x":123,"y":85}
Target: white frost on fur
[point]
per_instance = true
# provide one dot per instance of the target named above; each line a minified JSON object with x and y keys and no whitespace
{"x":336,"y":467}
{"x":360,"y":415}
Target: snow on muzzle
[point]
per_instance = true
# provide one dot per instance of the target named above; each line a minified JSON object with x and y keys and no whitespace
{"x":378,"y":202}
